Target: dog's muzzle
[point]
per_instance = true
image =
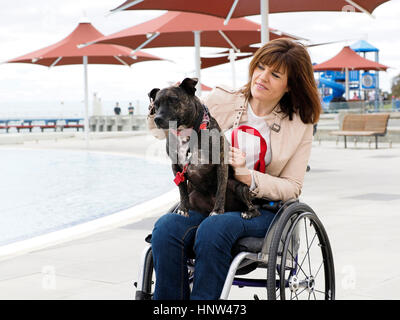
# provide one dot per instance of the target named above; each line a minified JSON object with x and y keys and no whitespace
{"x":160,"y":122}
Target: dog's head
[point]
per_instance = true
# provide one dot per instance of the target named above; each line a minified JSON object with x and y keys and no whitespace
{"x":176,"y":103}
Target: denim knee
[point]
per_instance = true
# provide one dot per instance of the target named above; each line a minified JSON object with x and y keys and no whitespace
{"x":217,"y":232}
{"x":164,"y":228}
{"x":172,"y":227}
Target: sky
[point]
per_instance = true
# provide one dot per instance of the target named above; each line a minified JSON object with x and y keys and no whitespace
{"x":26,"y":26}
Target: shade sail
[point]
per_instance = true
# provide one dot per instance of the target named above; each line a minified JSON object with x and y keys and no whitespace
{"x":349,"y":59}
{"x":208,"y":62}
{"x":241,"y":8}
{"x":66,"y":52}
{"x":221,"y":8}
{"x":174,"y":29}
{"x":205,"y":88}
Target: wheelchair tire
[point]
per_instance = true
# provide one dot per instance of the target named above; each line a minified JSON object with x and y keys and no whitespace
{"x":286,"y":276}
{"x":148,"y":282}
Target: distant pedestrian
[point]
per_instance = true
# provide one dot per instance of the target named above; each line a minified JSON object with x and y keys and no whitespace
{"x":355,"y":96}
{"x":131,"y":109}
{"x":117,"y":109}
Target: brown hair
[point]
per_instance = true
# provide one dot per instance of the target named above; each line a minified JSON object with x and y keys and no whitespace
{"x":302,"y":97}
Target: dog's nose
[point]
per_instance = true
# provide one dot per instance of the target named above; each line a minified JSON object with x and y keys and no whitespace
{"x":158,"y":121}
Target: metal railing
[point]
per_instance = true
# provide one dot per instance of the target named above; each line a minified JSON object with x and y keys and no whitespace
{"x":361,"y":107}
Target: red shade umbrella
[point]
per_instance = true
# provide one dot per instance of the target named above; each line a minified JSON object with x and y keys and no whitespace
{"x":242,"y":8}
{"x":347,"y":59}
{"x":174,"y":29}
{"x":208,"y":62}
{"x":205,"y":88}
{"x":66,"y":52}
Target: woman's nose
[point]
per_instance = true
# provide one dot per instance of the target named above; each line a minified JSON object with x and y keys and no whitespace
{"x":265,"y":75}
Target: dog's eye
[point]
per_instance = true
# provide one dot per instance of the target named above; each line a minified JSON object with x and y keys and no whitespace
{"x":172,"y":99}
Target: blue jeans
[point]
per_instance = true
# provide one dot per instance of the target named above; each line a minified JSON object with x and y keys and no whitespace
{"x":211,"y":238}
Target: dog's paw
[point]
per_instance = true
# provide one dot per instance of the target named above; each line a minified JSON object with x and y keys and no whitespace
{"x":182,"y":212}
{"x":250,"y":214}
{"x":214,"y":213}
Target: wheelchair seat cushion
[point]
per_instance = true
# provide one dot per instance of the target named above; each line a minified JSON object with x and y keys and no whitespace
{"x":249,"y":244}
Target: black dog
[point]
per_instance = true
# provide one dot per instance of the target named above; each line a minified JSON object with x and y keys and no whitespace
{"x":197,"y":148}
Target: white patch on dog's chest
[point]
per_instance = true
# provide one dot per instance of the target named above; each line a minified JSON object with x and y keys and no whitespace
{"x":183,"y":148}
{"x":195,"y":156}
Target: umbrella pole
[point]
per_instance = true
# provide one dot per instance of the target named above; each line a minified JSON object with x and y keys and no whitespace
{"x":86,"y":120}
{"x":197,"y":60}
{"x":347,"y":82}
{"x":232,"y":60}
{"x":264,"y":7}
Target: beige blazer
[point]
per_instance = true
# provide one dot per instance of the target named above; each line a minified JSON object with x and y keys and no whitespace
{"x":290,"y":145}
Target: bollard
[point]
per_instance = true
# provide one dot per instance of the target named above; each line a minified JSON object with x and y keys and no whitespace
{"x":369,"y":143}
{"x":355,"y":142}
{"x":390,"y":144}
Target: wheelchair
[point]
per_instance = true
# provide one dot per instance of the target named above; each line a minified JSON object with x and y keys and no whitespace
{"x":295,"y":252}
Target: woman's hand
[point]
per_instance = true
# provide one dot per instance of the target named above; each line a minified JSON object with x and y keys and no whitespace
{"x":237,"y":159}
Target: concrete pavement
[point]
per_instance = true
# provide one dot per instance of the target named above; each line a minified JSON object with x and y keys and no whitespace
{"x":354,"y":191}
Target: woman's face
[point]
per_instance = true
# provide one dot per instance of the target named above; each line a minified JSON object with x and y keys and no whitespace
{"x":268,"y":84}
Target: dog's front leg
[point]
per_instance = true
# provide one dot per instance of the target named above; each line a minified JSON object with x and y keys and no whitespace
{"x":184,"y":194}
{"x":222,"y":177}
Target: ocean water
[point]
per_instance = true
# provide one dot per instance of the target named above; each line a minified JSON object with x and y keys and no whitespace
{"x":64,"y":109}
{"x":48,"y":190}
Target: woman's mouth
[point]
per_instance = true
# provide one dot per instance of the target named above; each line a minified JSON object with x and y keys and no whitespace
{"x":260,"y":86}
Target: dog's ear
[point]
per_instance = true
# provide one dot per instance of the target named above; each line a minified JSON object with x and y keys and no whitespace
{"x":189,"y":85}
{"x":152,"y":94}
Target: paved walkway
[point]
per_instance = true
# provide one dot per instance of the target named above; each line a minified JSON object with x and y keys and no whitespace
{"x":355,"y":192}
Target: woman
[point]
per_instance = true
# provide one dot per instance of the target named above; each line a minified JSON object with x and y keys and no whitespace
{"x":281,"y":102}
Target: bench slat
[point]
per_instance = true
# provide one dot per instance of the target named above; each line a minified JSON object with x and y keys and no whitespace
{"x":377,"y":122}
{"x":354,"y":133}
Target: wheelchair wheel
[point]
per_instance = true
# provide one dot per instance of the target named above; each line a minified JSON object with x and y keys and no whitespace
{"x":300,"y":261}
{"x":146,"y":286}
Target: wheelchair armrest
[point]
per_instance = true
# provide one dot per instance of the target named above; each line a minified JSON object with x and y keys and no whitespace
{"x":174,"y":207}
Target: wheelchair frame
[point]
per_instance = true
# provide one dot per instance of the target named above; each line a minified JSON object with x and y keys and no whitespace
{"x":278,"y":252}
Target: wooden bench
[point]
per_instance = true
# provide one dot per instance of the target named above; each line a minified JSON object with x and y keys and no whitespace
{"x":23,"y":126}
{"x":48,"y":126}
{"x":76,"y":126}
{"x":373,"y":124}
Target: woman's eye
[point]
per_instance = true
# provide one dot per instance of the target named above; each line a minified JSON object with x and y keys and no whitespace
{"x":260,"y":66}
{"x":274,"y":74}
